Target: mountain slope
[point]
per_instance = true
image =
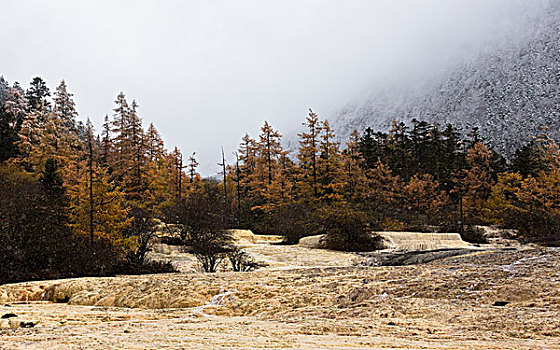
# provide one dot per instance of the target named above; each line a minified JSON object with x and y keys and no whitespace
{"x":508,"y":92}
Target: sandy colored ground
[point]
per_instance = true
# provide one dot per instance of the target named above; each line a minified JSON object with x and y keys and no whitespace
{"x":264,"y":249}
{"x":445,"y":304}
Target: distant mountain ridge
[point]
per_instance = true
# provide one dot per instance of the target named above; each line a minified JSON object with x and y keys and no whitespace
{"x":508,"y":93}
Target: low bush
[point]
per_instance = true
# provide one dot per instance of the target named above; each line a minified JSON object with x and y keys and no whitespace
{"x":473,"y":234}
{"x":293,"y":221}
{"x":242,"y":262}
{"x":147,"y":267}
{"x":346,"y":229}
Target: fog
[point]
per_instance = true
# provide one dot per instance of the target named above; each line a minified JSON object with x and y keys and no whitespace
{"x":206,"y":72}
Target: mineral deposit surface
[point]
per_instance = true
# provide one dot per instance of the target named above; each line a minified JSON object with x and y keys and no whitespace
{"x":307,"y":299}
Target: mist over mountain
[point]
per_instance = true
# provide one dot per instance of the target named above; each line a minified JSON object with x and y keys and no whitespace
{"x":508,"y":90}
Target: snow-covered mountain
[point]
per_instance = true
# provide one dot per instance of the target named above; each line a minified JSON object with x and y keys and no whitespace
{"x":508,"y":91}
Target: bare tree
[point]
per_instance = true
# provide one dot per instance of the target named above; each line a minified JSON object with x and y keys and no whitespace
{"x":201,"y":215}
{"x":242,"y":262}
{"x":143,"y":227}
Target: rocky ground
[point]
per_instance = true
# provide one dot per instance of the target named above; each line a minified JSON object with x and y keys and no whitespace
{"x":492,"y":298}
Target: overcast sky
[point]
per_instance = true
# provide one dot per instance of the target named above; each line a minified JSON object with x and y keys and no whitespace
{"x":205,"y":72}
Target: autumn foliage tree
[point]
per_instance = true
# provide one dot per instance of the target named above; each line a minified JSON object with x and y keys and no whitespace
{"x":308,"y":156}
{"x":98,"y":212}
{"x":530,"y":204}
{"x":474,"y":183}
{"x":422,"y":196}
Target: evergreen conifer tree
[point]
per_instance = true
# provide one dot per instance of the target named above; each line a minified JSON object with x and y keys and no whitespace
{"x":37,"y":94}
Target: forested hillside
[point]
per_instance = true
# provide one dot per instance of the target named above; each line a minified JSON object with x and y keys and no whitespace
{"x":75,"y":202}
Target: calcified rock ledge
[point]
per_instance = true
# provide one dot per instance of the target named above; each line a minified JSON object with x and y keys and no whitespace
{"x":444,"y":304}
